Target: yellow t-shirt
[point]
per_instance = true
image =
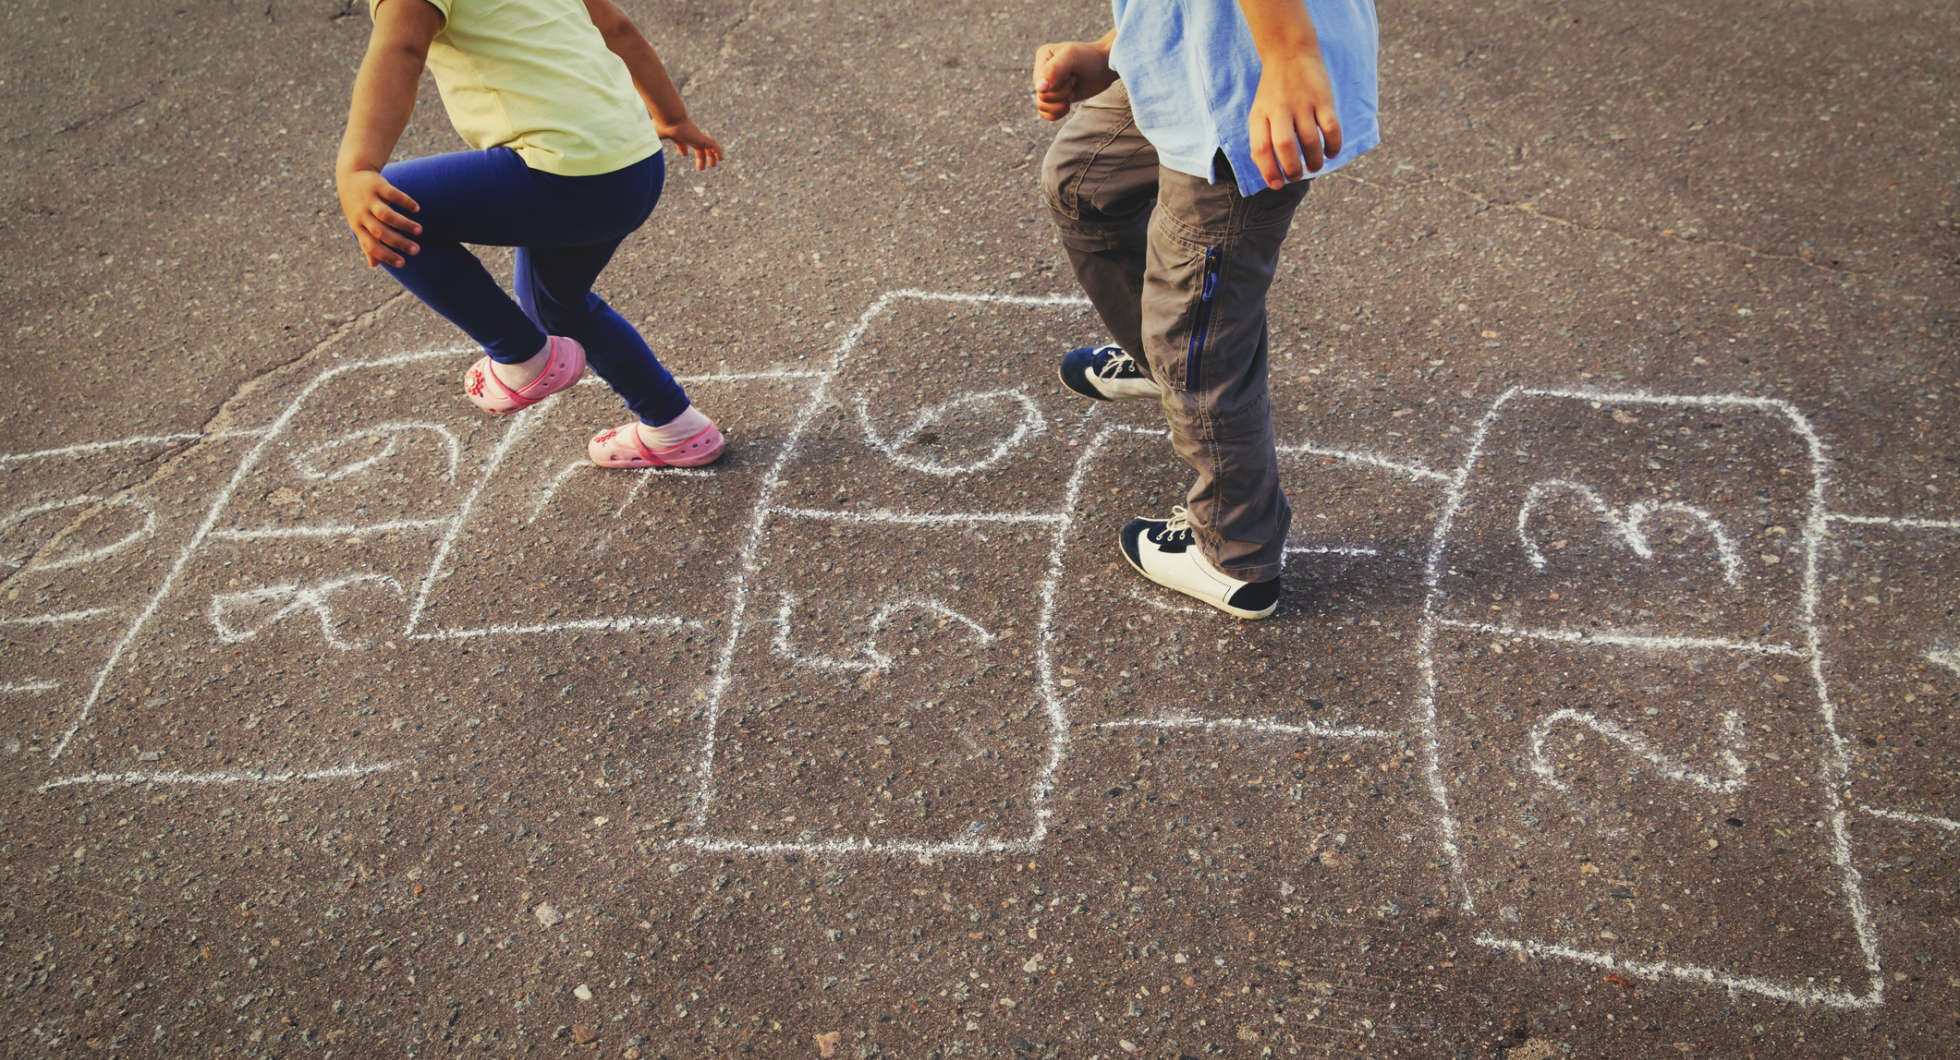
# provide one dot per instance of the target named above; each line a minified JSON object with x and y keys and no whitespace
{"x":535,"y":76}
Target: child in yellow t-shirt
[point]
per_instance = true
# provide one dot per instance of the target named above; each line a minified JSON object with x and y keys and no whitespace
{"x":564,"y":104}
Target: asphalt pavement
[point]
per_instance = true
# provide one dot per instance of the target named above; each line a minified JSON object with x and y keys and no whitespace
{"x":1608,"y":712}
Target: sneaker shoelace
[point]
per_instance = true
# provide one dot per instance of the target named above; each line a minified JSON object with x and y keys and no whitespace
{"x":1177,"y":528}
{"x":1118,"y":365}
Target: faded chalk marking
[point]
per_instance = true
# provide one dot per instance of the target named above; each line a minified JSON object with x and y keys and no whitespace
{"x":872,"y":659}
{"x":78,"y":558}
{"x":1734,"y":779}
{"x":292,"y":599}
{"x":523,"y":422}
{"x":1031,"y":424}
{"x":1914,"y":818}
{"x":1176,"y":609}
{"x":18,"y":687}
{"x":1628,"y":526}
{"x":586,"y":625}
{"x":1261,"y":726}
{"x":886,"y":515}
{"x":91,"y":448}
{"x":1358,"y":551}
{"x":59,"y":619}
{"x":645,"y":475}
{"x":1358,"y":456}
{"x":348,"y":532}
{"x":318,"y":462}
{"x":246,"y":777}
{"x":1660,"y":970}
{"x":1639,"y":641}
{"x":1905,"y":522}
{"x":1946,"y":656}
{"x":551,"y":490}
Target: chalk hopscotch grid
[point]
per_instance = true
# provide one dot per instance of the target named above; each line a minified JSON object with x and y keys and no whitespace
{"x":1834,"y":768}
{"x":206,"y":531}
{"x":750,"y":566}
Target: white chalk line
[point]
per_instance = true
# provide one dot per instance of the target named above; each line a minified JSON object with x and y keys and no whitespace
{"x":1356,"y":551}
{"x":577,"y":625}
{"x":921,"y":848}
{"x":352,"y":532}
{"x":1260,"y":726}
{"x":1362,"y":456}
{"x":1653,"y":642}
{"x":1927,"y":819}
{"x":1905,"y":522}
{"x":1425,"y":712}
{"x":1661,"y":970}
{"x":87,"y":448}
{"x":521,"y":425}
{"x":886,"y":515}
{"x":18,"y":687}
{"x":59,"y":618}
{"x":749,"y":567}
{"x":1628,"y":525}
{"x":218,"y":504}
{"x":1734,"y":780}
{"x":252,"y":776}
{"x":1944,"y":656}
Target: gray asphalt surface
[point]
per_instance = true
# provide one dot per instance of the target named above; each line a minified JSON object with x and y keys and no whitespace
{"x":1608,"y":713}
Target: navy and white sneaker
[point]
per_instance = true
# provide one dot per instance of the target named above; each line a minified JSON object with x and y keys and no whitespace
{"x":1106,"y":373}
{"x":1164,"y":551}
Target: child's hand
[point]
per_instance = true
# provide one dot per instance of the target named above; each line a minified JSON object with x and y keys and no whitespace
{"x":1292,"y":115}
{"x":368,"y":202}
{"x":1069,"y":72}
{"x":689,"y":138}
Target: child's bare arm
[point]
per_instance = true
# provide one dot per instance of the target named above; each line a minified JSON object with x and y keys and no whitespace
{"x":663,"y":100}
{"x":1069,"y":72}
{"x":1293,"y":111}
{"x":384,"y":97}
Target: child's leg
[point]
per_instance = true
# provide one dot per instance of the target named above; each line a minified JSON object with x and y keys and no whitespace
{"x":469,"y":197}
{"x":1100,"y":179}
{"x":1211,"y":260}
{"x":555,"y":286}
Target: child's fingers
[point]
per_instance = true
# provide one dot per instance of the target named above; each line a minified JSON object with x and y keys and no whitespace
{"x":400,"y":198}
{"x":392,"y":219}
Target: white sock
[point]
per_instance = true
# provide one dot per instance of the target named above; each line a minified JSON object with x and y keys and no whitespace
{"x":518,"y":376}
{"x":674,"y":431}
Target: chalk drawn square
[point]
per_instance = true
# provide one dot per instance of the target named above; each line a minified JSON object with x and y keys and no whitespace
{"x":1571,"y":502}
{"x":1624,"y":592}
{"x":392,"y":448}
{"x":945,"y":406}
{"x":567,"y":545}
{"x":1337,"y":659}
{"x":893,"y":700}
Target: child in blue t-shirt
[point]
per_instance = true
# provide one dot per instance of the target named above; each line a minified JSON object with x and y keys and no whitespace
{"x":1174,"y":183}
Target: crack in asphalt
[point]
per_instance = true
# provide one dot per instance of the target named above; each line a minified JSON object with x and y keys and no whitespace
{"x":155,"y":466}
{"x":1669,"y":235}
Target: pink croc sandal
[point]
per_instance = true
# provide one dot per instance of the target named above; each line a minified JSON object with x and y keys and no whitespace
{"x":563,"y":365}
{"x":621,"y":447}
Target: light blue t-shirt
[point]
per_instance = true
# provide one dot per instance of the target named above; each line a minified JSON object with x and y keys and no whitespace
{"x":1191,"y":71}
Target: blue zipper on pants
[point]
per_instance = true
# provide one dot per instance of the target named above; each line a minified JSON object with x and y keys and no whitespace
{"x":1194,"y":357}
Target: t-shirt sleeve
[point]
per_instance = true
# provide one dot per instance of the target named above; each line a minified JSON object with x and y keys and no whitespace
{"x":440,"y":5}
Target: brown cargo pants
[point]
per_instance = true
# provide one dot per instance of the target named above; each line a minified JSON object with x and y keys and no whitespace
{"x":1178,"y":270}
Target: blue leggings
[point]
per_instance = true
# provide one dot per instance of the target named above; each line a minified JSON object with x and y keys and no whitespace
{"x":565,"y":230}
